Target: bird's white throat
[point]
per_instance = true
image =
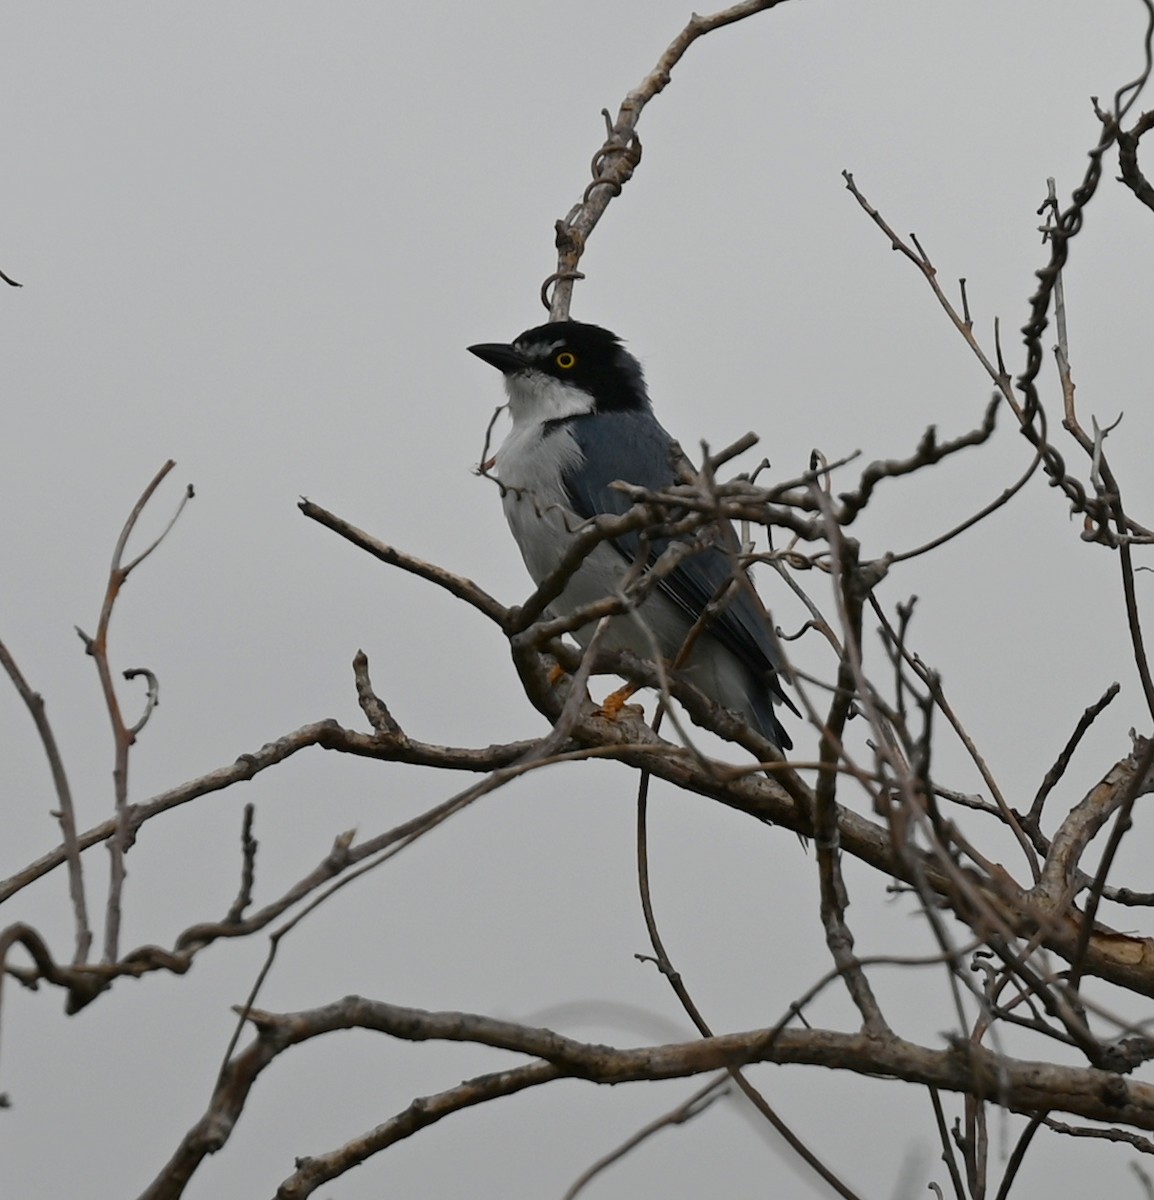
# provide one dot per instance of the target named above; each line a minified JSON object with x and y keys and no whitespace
{"x":535,"y":398}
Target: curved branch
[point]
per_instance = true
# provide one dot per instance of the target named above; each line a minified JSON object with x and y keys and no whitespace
{"x":613,"y":165}
{"x":123,"y":736}
{"x":70,"y":846}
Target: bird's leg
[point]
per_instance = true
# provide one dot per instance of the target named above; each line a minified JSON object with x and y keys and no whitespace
{"x":616,"y":702}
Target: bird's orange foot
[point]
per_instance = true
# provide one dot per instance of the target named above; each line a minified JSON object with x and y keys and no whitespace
{"x":615,"y":704}
{"x":556,"y":674}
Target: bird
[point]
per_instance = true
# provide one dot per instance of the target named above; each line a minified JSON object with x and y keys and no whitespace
{"x":582,"y":420}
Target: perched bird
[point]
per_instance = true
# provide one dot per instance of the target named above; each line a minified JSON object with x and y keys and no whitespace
{"x":581,"y":421}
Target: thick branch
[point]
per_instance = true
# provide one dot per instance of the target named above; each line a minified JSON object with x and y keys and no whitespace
{"x":1018,"y":1085}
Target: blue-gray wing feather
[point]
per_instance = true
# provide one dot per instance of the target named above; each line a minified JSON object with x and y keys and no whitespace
{"x":632,"y":447}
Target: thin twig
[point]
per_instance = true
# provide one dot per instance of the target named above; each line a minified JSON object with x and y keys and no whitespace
{"x":1055,"y":773}
{"x":948,"y":1156}
{"x":665,"y":966}
{"x":249,"y":846}
{"x":1014,"y":1163}
{"x":151,"y":699}
{"x":713,"y":1091}
{"x":1112,"y":1134}
{"x":1004,"y":497}
{"x":455,"y":585}
{"x":931,"y":680}
{"x":123,"y":736}
{"x":850,"y":595}
{"x":66,"y":814}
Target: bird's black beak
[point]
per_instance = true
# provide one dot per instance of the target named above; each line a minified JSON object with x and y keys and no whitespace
{"x":504,"y":357}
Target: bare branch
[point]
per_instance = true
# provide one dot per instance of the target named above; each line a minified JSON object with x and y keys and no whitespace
{"x":1017,"y":1085}
{"x":1129,"y":777}
{"x":997,"y":375}
{"x":1055,"y":773}
{"x":1113,"y":1134}
{"x":311,"y":1173}
{"x":455,"y":585}
{"x":1017,"y":1155}
{"x":713,"y":1091}
{"x":1004,"y":497}
{"x":1014,"y":956}
{"x":928,"y":453}
{"x":1132,"y":176}
{"x":947,"y":1147}
{"x":327,"y":734}
{"x":70,"y":847}
{"x":834,"y":897}
{"x":1144,"y":1180}
{"x":613,"y":165}
{"x":1141,"y":782}
{"x":123,"y":736}
{"x":248,"y":871}
{"x":189,"y":494}
{"x":665,"y":966}
{"x":152,"y":698}
{"x":934,"y":685}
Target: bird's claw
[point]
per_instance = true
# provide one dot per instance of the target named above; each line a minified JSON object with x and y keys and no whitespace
{"x":615,"y":704}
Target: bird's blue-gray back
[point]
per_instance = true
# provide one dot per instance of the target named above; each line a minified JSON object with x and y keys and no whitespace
{"x":632,"y":447}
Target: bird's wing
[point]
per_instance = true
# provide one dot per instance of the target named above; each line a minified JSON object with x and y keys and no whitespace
{"x":632,"y":447}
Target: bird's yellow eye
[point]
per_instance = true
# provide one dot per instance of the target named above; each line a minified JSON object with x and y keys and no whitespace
{"x":565,"y":360}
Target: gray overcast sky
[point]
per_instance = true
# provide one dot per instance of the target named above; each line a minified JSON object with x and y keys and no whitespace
{"x":256,"y":238}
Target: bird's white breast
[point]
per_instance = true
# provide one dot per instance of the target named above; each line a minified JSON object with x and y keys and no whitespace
{"x":531,"y":466}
